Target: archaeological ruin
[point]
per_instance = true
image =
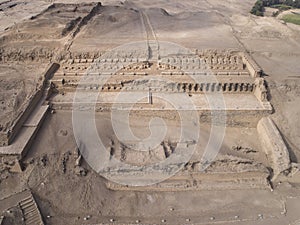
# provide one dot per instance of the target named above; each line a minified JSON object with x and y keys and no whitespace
{"x":232,"y":73}
{"x":124,"y":112}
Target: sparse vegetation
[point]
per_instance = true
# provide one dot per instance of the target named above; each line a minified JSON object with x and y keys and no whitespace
{"x":292,"y":18}
{"x":282,"y":7}
{"x":259,"y":6}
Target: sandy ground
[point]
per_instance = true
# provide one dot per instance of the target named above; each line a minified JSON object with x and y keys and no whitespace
{"x":67,"y":197}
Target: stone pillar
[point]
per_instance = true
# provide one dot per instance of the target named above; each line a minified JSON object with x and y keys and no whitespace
{"x":178,"y":87}
{"x":213,"y":86}
{"x":207,"y":86}
{"x":251,"y":87}
{"x":196,"y":87}
{"x":150,"y":97}
{"x":190,"y":87}
{"x":231,"y":87}
{"x":201,"y":87}
{"x":224,"y":87}
{"x":240,"y":87}
{"x":219,"y":87}
{"x":184,"y":87}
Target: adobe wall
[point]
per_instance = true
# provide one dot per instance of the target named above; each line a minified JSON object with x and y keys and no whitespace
{"x":20,"y":146}
{"x":3,"y":139}
{"x":234,"y":118}
{"x":254,"y":69}
{"x":203,"y":181}
{"x":224,"y":87}
{"x":51,"y":71}
{"x":24,"y":115}
{"x":273,"y":146}
{"x":6,"y":138}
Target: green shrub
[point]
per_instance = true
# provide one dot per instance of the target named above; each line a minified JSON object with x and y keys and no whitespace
{"x":258,"y":9}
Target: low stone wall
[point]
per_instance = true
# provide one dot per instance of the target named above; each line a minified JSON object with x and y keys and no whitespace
{"x":273,"y":146}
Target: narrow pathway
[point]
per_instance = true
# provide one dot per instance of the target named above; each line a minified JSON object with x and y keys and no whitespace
{"x":151,"y":38}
